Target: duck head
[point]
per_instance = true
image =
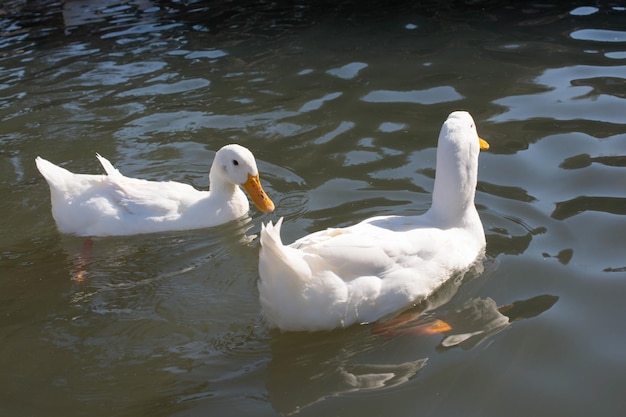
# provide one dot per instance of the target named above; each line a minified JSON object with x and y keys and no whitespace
{"x":235,"y":165}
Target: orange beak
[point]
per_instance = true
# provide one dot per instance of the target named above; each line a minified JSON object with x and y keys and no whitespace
{"x":483,"y":144}
{"x":257,"y":194}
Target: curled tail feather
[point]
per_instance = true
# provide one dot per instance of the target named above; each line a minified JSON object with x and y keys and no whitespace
{"x":270,"y":238}
{"x":108,"y":167}
{"x":280,"y":263}
{"x":283,"y":275}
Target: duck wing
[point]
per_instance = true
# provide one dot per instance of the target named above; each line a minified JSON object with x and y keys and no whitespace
{"x":149,"y":199}
{"x":370,"y":248}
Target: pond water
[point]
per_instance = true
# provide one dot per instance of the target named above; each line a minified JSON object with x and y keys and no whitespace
{"x":341,"y":102}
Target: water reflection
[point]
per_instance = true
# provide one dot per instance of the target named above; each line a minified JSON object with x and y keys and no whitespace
{"x":584,"y":160}
{"x":468,"y":325}
{"x":140,"y":321}
{"x":84,"y":12}
{"x":193,"y":249}
{"x":347,"y":71}
{"x":431,"y":96}
{"x":577,"y":205}
{"x":503,"y":239}
{"x":309,"y":367}
{"x":570,"y":95}
{"x":479,"y":319}
{"x":599,"y":35}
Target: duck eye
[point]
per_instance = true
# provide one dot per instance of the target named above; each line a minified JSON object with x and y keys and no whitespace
{"x":235,"y":162}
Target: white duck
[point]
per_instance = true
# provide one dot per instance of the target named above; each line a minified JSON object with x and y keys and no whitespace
{"x":358,"y":274}
{"x":112,"y":204}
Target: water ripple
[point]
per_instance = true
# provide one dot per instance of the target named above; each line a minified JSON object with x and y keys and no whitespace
{"x":149,"y":28}
{"x":166,"y":89}
{"x":599,"y":35}
{"x":570,"y":95}
{"x":348,"y":71}
{"x":428,"y":96}
{"x":316,"y":104}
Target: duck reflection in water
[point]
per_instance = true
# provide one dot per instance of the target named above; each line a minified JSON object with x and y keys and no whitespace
{"x":468,"y":325}
{"x":309,"y":367}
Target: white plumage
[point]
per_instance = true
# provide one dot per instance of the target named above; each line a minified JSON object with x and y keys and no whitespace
{"x":112,"y":204}
{"x":357,"y":274}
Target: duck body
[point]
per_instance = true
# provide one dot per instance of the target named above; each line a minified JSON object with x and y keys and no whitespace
{"x":112,"y":204}
{"x":359,"y":274}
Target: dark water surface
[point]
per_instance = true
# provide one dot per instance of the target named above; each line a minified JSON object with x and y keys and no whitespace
{"x":341,"y":103}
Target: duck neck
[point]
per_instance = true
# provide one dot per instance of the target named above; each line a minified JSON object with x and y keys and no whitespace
{"x":455,"y":188}
{"x":219,"y":187}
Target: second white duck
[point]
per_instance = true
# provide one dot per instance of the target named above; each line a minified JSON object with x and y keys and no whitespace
{"x":112,"y":204}
{"x":358,"y":274}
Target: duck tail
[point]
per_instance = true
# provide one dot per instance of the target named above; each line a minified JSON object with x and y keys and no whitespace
{"x":108,"y":167}
{"x":270,"y":239}
{"x":54,"y":174}
{"x":283,"y":274}
{"x":273,"y":250}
